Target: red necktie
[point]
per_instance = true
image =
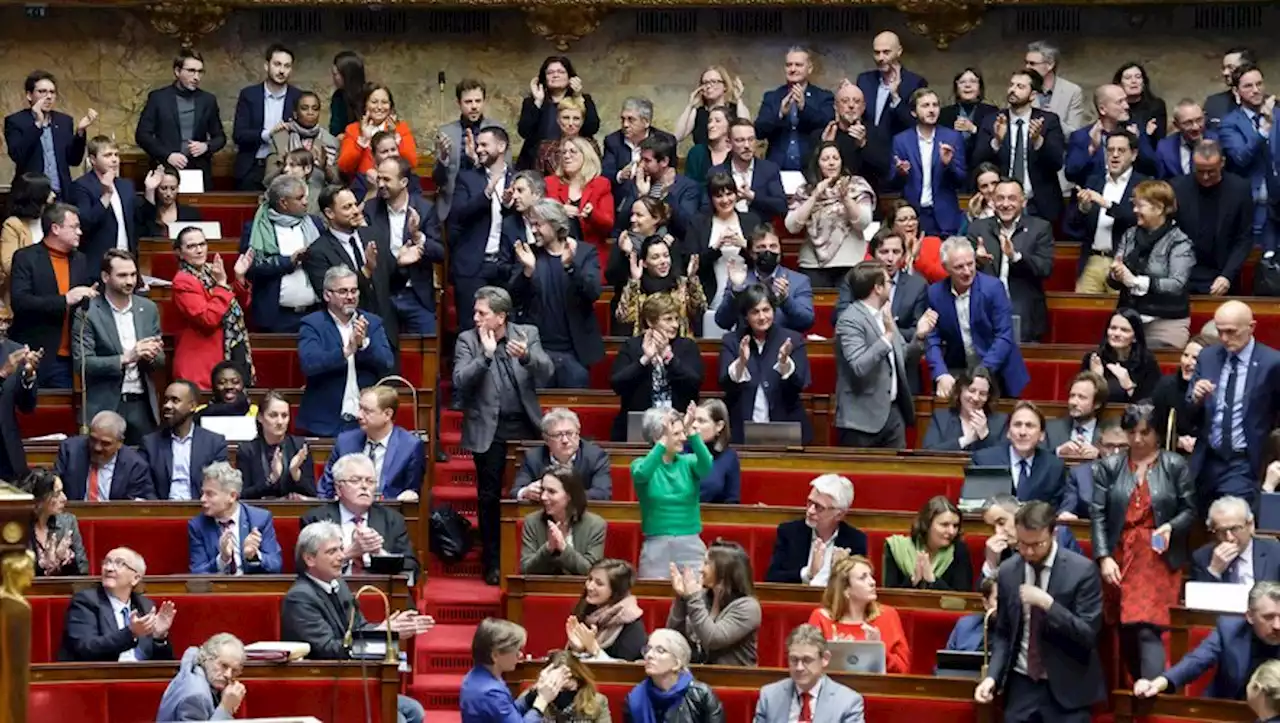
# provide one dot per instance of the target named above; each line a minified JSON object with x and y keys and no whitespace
{"x":94,"y":495}
{"x":806,"y":710}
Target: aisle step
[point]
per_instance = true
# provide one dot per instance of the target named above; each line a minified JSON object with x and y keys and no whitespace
{"x":462,"y":600}
{"x":445,"y":649}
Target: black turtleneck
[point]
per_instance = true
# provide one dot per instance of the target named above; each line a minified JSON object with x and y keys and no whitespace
{"x":1206,"y":231}
{"x":469,"y":126}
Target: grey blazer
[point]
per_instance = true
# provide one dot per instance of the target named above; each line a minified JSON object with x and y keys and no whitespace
{"x":1173,"y":499}
{"x":836,"y":703}
{"x":101,"y":351}
{"x":1057,"y":432}
{"x":473,"y":380}
{"x":587,"y":549}
{"x":1067,"y":102}
{"x":862,"y":372}
{"x":729,"y":639}
{"x":445,"y":174}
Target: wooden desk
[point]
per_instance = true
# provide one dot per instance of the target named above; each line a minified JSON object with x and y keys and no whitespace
{"x":1128,"y":708}
{"x":396,"y":588}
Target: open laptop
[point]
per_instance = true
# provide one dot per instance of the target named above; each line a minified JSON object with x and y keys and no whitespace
{"x":981,"y":483}
{"x":857,"y":656}
{"x":772,"y":434}
{"x":959,"y":664}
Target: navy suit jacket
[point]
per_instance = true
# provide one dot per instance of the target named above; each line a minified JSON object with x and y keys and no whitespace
{"x":385,"y":521}
{"x":1048,"y":474}
{"x":766,"y":182}
{"x":795,"y":312}
{"x":946,"y":180}
{"x":1261,"y":402}
{"x":1218,"y":106}
{"x":819,"y":110}
{"x":1082,"y":226}
{"x":945,"y":430}
{"x":1169,"y":154}
{"x":1079,"y":494}
{"x":403,"y":464}
{"x":1266,"y":561}
{"x":684,"y":198}
{"x":618,"y":156}
{"x":130,"y":479}
{"x":203,"y":534}
{"x":325,"y":367}
{"x":265,"y":274}
{"x":246,"y":129}
{"x":469,"y":218}
{"x":990,"y":325}
{"x":1249,"y":154}
{"x":1080,"y":165}
{"x":98,"y":222}
{"x":206,"y":448}
{"x":792,"y":543}
{"x":421,"y":274}
{"x":893,"y":120}
{"x":91,"y":632}
{"x":782,"y":395}
{"x":1227,"y":648}
{"x":22,"y":138}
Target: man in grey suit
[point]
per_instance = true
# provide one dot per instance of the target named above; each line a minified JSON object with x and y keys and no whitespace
{"x":206,"y":673}
{"x":497,"y":368}
{"x":457,"y":139}
{"x":1077,"y":434}
{"x":116,"y":341}
{"x":813,"y":696}
{"x":873,"y":400}
{"x":1060,"y":96}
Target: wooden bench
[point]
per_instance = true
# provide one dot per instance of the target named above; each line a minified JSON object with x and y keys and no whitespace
{"x":1176,"y":709}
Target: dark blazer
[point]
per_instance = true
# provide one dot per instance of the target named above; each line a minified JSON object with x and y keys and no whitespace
{"x":584,"y":287}
{"x":946,"y":180}
{"x":945,"y":430}
{"x":22,"y":139}
{"x":958,"y":576}
{"x":375,"y":291}
{"x":1043,"y":163}
{"x":264,"y":277}
{"x":871,"y":160}
{"x":246,"y":129}
{"x":159,"y":134}
{"x":206,"y":448}
{"x":1261,"y":402}
{"x":791,"y":548}
{"x":1218,"y":106}
{"x":1079,"y":493}
{"x":983,"y":113}
{"x":770,"y":202}
{"x":1057,"y":432}
{"x":130,"y":480}
{"x":98,"y":222}
{"x":1069,"y":638}
{"x":16,"y":395}
{"x":38,"y":309}
{"x":150,"y":227}
{"x":782,"y":395}
{"x":794,"y":312}
{"x":1080,"y":165}
{"x":1228,"y":649}
{"x":683,"y":197}
{"x":819,"y":110}
{"x":403,"y":464}
{"x":309,"y":615}
{"x":385,"y":521}
{"x":991,"y":328}
{"x":537,"y":124}
{"x":893,"y":120}
{"x":1225,"y":253}
{"x":697,"y":240}
{"x":1169,"y":154}
{"x":469,"y":218}
{"x":203,"y":533}
{"x":1266,"y":561}
{"x":324,"y":365}
{"x":91,"y":632}
{"x":1173,"y":501}
{"x":633,"y":382}
{"x":616,"y":155}
{"x":421,"y":274}
{"x":256,"y":469}
{"x":910,"y":301}
{"x":591,"y":462}
{"x":1082,"y":226}
{"x":1048,"y":473}
{"x":1034,"y":240}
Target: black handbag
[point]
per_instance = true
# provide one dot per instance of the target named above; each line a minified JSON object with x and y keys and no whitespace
{"x":1266,"y":277}
{"x":450,"y":534}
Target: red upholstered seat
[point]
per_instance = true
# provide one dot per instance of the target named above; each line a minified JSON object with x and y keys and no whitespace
{"x":163,"y":546}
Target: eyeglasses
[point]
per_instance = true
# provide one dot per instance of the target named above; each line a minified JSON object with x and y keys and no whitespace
{"x":1231,"y":530}
{"x":1033,"y":545}
{"x":344,"y":292}
{"x":562,"y":435}
{"x":116,"y":563}
{"x":359,"y":482}
{"x":655,"y":649}
{"x":805,"y":660}
{"x":818,"y":506}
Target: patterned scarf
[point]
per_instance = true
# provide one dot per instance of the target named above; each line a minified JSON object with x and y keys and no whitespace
{"x":234,"y":332}
{"x":300,"y":137}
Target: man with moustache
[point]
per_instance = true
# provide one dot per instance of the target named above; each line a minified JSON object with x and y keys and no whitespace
{"x":1173,"y":153}
{"x":1086,"y":147}
{"x":889,"y":87}
{"x":1026,"y":144}
{"x":409,"y":225}
{"x":178,"y":452}
{"x":1215,"y":208}
{"x":261,"y":110}
{"x":482,"y":200}
{"x":42,"y":140}
{"x":457,"y":139}
{"x":791,"y":113}
{"x":864,"y":148}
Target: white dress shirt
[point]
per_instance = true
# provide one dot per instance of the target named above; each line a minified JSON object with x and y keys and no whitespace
{"x":492,"y":243}
{"x":926,"y":168}
{"x":819,"y":577}
{"x":743,"y":180}
{"x":1005,"y":262}
{"x":877,"y":318}
{"x":344,"y":241}
{"x":117,"y":210}
{"x":351,"y":392}
{"x":379,"y":454}
{"x":120,"y":611}
{"x":236,"y":552}
{"x":180,"y":448}
{"x":106,"y":473}
{"x":1020,"y":664}
{"x":349,"y":530}
{"x":1113,"y":192}
{"x":1022,"y":138}
{"x":739,"y":373}
{"x":295,"y":287}
{"x":1015,"y":465}
{"x":125,"y":329}
{"x":962,"y":318}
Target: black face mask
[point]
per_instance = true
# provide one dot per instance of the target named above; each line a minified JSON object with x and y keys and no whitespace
{"x":766,"y":262}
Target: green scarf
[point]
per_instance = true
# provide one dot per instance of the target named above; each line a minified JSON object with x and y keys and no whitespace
{"x":262,"y":232}
{"x":903,"y":551}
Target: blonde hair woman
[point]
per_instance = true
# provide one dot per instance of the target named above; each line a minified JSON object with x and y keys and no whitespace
{"x":1263,"y":691}
{"x":585,"y":194}
{"x":570,"y":117}
{"x":850,"y":611}
{"x":716,"y":87}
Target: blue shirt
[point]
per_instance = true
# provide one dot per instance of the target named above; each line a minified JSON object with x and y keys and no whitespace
{"x":272,"y":114}
{"x":50,"y":157}
{"x":1238,"y":442}
{"x":106,"y":473}
{"x":882,"y":99}
{"x":967,"y":634}
{"x":180,"y":448}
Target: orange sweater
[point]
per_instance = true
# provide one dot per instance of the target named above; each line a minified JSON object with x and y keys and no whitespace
{"x":62,"y":272}
{"x":353,"y":159}
{"x":897,"y":653}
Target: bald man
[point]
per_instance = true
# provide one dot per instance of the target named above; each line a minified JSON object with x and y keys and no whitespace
{"x":792,"y":112}
{"x":1087,"y":146}
{"x":1236,"y":392}
{"x":864,"y":149}
{"x":888,"y":88}
{"x":1173,"y":152}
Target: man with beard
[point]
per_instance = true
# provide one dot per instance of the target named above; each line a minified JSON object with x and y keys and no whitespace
{"x":457,"y":140}
{"x":1077,"y":434}
{"x":261,"y":110}
{"x":408,"y":224}
{"x":178,"y":452}
{"x":1253,"y":151}
{"x":803,"y":548}
{"x":198,"y":135}
{"x":279,"y":237}
{"x":205,"y":687}
{"x":1026,"y":144}
{"x":483,"y":196}
{"x":791,"y":289}
{"x":1087,"y":146}
{"x":929,"y":167}
{"x":759,"y":180}
{"x":1017,"y":249}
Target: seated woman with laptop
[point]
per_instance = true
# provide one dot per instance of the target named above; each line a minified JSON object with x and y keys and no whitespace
{"x":850,"y":613}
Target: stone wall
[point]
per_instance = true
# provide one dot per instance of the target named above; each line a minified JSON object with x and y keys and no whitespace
{"x":109,"y":59}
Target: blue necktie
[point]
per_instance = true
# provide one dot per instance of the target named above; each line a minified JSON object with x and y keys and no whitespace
{"x":793,"y":139}
{"x":1024,"y":474}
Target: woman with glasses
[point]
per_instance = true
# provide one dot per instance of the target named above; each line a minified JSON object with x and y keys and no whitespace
{"x":1143,"y":510}
{"x":667,"y":489}
{"x":607,"y":623}
{"x":1152,"y":266}
{"x":496,"y":649}
{"x":717,"y":611}
{"x":850,"y":611}
{"x":669,"y":692}
{"x":717,"y":88}
{"x":923,"y":253}
{"x":276,"y":465}
{"x":55,"y":534}
{"x":563,"y":538}
{"x":208,"y":314}
{"x":934,"y":556}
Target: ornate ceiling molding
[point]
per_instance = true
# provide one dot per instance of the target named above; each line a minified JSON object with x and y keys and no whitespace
{"x":186,"y":20}
{"x":562,"y":26}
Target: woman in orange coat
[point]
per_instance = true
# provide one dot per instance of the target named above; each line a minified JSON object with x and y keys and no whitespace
{"x":586,"y":195}
{"x":209,"y":323}
{"x":850,"y":612}
{"x":356,"y":154}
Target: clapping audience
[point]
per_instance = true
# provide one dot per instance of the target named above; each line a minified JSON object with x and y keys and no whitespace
{"x":276,"y":464}
{"x":970,"y":421}
{"x":833,"y":208}
{"x":658,"y":368}
{"x":804,"y":549}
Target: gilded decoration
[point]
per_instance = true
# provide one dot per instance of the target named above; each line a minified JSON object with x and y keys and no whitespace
{"x":187,"y":20}
{"x":562,"y":26}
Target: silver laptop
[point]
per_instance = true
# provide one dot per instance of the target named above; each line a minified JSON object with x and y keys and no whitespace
{"x":635,"y":427}
{"x":772,"y":434}
{"x":981,"y":483}
{"x":857,"y":656}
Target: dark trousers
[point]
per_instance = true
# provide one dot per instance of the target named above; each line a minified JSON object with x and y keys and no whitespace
{"x":569,"y":372}
{"x":54,"y":373}
{"x":252,"y":181}
{"x":1031,"y":701}
{"x":464,"y":299}
{"x":415,"y":318}
{"x":892,"y":436}
{"x":1226,"y":475}
{"x":136,"y":410}
{"x":1142,"y":649}
{"x":490,"y":466}
{"x":928,"y":222}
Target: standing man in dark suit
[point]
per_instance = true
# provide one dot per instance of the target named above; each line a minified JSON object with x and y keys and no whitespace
{"x":563,"y":445}
{"x":1026,"y":144}
{"x":46,"y":281}
{"x":111,"y":622}
{"x":1236,"y":556}
{"x":397,"y":454}
{"x":117,"y":343}
{"x":1219,"y":105}
{"x":802,"y":549}
{"x":1000,"y":512}
{"x":457,"y":140}
{"x":179,"y":451}
{"x":497,"y":366}
{"x":929,"y":167}
{"x":1103,"y":212}
{"x":261,"y":110}
{"x":1215,"y":209}
{"x":1086,"y":146}
{"x":228,"y":537}
{"x":482,"y":199}
{"x":790,"y":114}
{"x":1017,"y":249}
{"x":864,"y":148}
{"x":888,"y":86}
{"x":108,"y":204}
{"x":1035,"y":473}
{"x":1173,"y":152}
{"x":409,"y":225}
{"x":622,"y":147}
{"x":1044,"y":645}
{"x":759,"y":180}
{"x":763,"y":367}
{"x":342,"y":351}
{"x":657,"y":176}
{"x":42,"y":140}
{"x":17,"y":394}
{"x":1236,"y":387}
{"x":1251,"y":139}
{"x":180,"y":125}
{"x":98,"y":467}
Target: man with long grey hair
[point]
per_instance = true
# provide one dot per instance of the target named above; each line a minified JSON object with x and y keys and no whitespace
{"x":205,"y":687}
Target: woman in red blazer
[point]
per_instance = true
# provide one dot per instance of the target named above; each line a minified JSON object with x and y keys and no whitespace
{"x":209,"y":323}
{"x":586,"y":195}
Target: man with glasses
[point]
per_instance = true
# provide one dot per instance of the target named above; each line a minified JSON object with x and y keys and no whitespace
{"x":1235,"y":556}
{"x":42,"y":140}
{"x":803,"y":549}
{"x":564,"y":446}
{"x":198,"y":134}
{"x":808,"y":690}
{"x":1075,"y":505}
{"x":368,"y":528}
{"x":110,"y":622}
{"x":398,"y":455}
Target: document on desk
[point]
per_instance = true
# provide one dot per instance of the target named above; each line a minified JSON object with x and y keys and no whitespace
{"x":190,"y":181}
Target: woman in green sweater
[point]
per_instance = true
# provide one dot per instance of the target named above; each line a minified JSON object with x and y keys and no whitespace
{"x":667,"y":484}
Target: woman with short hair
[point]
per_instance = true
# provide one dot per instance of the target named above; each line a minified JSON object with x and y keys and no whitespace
{"x":656,"y":368}
{"x":1263,"y":692}
{"x":1152,"y":265}
{"x":669,"y":691}
{"x":496,"y":649}
{"x":586,"y":195}
{"x":667,"y":489}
